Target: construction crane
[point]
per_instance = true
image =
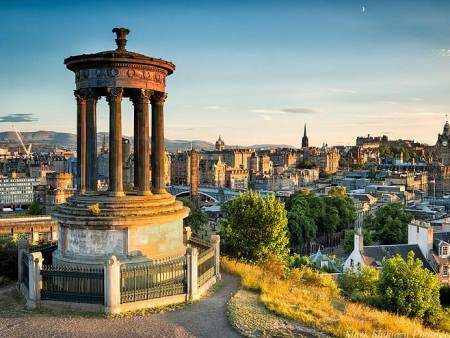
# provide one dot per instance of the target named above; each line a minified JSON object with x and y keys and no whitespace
{"x":19,"y":136}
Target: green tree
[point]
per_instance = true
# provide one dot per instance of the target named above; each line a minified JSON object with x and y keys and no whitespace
{"x":197,"y":217}
{"x":255,"y":227}
{"x":406,"y":288}
{"x":385,"y":151}
{"x":390,"y":224}
{"x":359,"y":285}
{"x":344,"y":206}
{"x":305,"y":212}
{"x":8,"y":259}
{"x":34,"y":209}
{"x":302,"y":228}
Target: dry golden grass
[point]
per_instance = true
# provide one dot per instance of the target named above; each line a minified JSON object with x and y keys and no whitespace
{"x":313,"y":299}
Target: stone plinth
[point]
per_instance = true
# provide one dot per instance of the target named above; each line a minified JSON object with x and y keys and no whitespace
{"x":132,"y":228}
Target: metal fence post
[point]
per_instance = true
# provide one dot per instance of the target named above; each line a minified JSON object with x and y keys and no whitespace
{"x":215,"y":242}
{"x":112,"y":285}
{"x":35,"y":284}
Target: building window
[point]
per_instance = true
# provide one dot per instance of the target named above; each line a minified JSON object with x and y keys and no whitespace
{"x":352,"y":263}
{"x":445,"y":270}
{"x":444,"y":250}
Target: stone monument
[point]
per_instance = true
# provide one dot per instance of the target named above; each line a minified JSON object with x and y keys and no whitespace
{"x":138,"y":225}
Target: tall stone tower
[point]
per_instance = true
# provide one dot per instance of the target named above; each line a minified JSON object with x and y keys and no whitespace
{"x":304,"y":139}
{"x":144,"y":224}
{"x":443,"y":145}
{"x":194,"y":177}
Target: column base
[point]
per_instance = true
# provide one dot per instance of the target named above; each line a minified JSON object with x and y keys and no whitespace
{"x":116,"y":193}
{"x":159,"y":191}
{"x":90,"y":193}
{"x":144,"y":193}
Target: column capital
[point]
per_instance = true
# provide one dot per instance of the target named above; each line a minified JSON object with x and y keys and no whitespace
{"x":141,"y":96}
{"x":79,"y":97}
{"x":159,"y":98}
{"x":115,"y":94}
{"x":91,"y":95}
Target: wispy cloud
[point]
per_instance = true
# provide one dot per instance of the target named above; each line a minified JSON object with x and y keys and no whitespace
{"x":342,"y":91}
{"x":444,"y":52}
{"x":216,"y":108}
{"x":300,"y":111}
{"x":18,"y":118}
{"x":286,"y":111}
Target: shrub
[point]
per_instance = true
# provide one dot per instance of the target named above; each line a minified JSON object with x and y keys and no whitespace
{"x":8,"y":259}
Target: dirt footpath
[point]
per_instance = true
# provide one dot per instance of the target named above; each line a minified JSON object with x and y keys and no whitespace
{"x":204,"y":319}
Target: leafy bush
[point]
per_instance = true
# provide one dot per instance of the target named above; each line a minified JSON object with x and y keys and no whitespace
{"x":8,"y":259}
{"x":359,"y":286}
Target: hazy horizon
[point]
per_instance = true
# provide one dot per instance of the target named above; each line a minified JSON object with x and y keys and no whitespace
{"x":254,"y":72}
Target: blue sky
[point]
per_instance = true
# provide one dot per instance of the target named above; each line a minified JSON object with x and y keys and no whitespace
{"x":251,"y":71}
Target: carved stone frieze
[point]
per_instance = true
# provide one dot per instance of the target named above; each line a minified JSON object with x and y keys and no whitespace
{"x":122,"y":75}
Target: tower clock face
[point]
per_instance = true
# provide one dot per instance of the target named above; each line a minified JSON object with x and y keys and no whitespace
{"x":444,"y":143}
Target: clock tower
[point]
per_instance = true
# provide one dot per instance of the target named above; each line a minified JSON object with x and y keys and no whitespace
{"x":443,"y":145}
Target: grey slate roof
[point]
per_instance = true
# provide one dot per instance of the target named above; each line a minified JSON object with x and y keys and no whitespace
{"x":373,"y":255}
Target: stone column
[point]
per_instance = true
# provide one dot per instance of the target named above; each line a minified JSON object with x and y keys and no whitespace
{"x":91,"y":140}
{"x":115,"y":141}
{"x":192,"y":273}
{"x":215,"y":242}
{"x":157,"y":161}
{"x":187,"y":233}
{"x":137,"y":108}
{"x":112,"y":286}
{"x":34,"y":280}
{"x":81,"y":142}
{"x":144,"y":145}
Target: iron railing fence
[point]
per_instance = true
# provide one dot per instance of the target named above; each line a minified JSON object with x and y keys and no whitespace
{"x":205,"y":267}
{"x":200,"y":244}
{"x":152,"y":280}
{"x":73,"y":284}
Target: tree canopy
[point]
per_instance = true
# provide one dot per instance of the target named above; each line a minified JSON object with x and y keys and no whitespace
{"x":255,"y":227}
{"x":310,"y":215}
{"x":389,"y":225}
{"x":197,"y":217}
{"x":408,"y":289}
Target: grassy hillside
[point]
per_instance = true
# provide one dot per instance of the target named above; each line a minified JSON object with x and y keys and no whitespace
{"x":313,"y":299}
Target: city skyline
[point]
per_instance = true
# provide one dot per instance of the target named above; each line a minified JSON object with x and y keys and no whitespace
{"x":253,"y":72}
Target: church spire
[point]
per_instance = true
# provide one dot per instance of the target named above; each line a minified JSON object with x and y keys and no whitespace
{"x":304,"y":139}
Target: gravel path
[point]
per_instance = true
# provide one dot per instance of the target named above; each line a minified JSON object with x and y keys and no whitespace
{"x":206,"y":318}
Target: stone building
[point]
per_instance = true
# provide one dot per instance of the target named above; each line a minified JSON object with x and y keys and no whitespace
{"x":58,"y":189}
{"x":16,"y":190}
{"x":439,"y":169}
{"x":236,"y":178}
{"x":326,"y":159}
{"x":211,"y":172}
{"x":181,"y":168}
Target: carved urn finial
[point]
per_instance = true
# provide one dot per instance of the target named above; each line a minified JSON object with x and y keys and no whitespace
{"x":121,"y":40}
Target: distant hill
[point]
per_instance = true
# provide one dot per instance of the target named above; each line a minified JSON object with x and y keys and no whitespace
{"x":45,"y":140}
